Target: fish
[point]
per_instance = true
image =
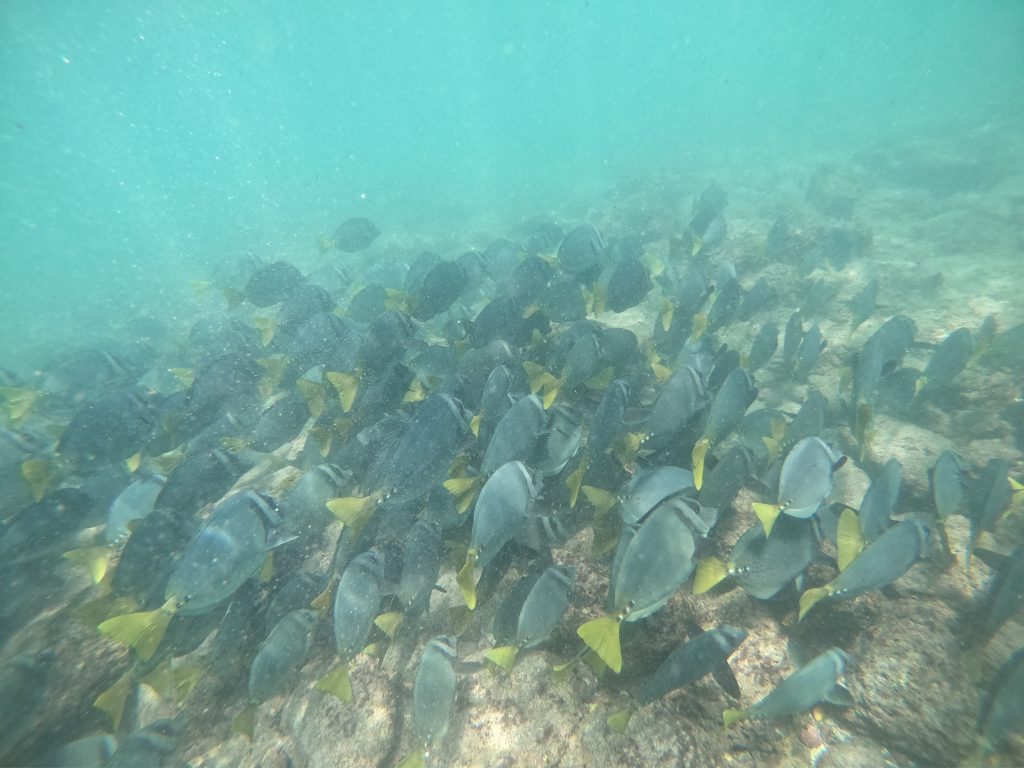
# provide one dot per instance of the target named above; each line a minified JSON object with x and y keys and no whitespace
{"x":356,"y":602}
{"x":148,"y":746}
{"x":442,"y":285}
{"x":726,"y":478}
{"x":433,"y":698}
{"x":880,"y":563}
{"x":948,"y":483}
{"x":226,"y":551}
{"x":730,"y":403}
{"x":988,"y":497}
{"x":680,"y":399}
{"x":500,"y":511}
{"x":813,"y":683}
{"x":1002,"y":709}
{"x":756,"y":299}
{"x":282,"y":654}
{"x":582,"y":252}
{"x":134,"y":502}
{"x":703,"y":654}
{"x":807,"y":354}
{"x":879,"y":500}
{"x":792,"y":336}
{"x":863,"y":305}
{"x":420,"y":459}
{"x":530,"y":613}
{"x":200,"y":478}
{"x":562,"y":300}
{"x":763,"y":565}
{"x":280,"y":423}
{"x":355,"y":234}
{"x":648,"y":488}
{"x":561,"y":442}
{"x":109,"y":429}
{"x":305,"y":504}
{"x":421,"y":562}
{"x":762,"y":349}
{"x":272,"y":284}
{"x":804,"y":483}
{"x":1002,"y":595}
{"x":652,"y":561}
{"x":628,"y":285}
{"x":946,"y":362}
{"x":24,"y":679}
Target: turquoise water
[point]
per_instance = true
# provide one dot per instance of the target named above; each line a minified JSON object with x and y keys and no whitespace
{"x":142,"y":142}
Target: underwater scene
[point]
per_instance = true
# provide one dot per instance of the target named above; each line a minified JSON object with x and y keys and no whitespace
{"x":489,"y":384}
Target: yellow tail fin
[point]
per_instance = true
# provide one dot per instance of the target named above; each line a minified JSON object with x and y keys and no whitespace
{"x":602,"y":637}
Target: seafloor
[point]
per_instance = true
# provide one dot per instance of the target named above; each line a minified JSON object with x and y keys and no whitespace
{"x":941,"y":226}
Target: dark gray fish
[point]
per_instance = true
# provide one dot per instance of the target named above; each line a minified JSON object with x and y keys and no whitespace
{"x":227,"y":383}
{"x":756,"y":299}
{"x":808,"y":352}
{"x":367,"y":303}
{"x":949,"y":482}
{"x":882,"y":353}
{"x":229,"y":549}
{"x":562,"y":301}
{"x":810,"y":685}
{"x":324,"y":340}
{"x":280,"y":423}
{"x":23,"y":688}
{"x":948,"y":359}
{"x":726,"y":360}
{"x":356,"y":602}
{"x":864,"y":304}
{"x":441,"y":287}
{"x":282,"y":655}
{"x":808,"y":422}
{"x":880,"y":499}
{"x":386,"y":341}
{"x":516,"y":435}
{"x":421,"y":562}
{"x":355,"y":234}
{"x":792,"y":337}
{"x":763,"y":347}
{"x":726,"y":478}
{"x":628,"y":285}
{"x":1003,"y":596}
{"x":988,"y":497}
{"x":1002,"y":708}
{"x":305,"y":512}
{"x":425,"y":451}
{"x":199,"y":479}
{"x":304,"y":302}
{"x":560,"y":443}
{"x":149,"y":746}
{"x":433,"y":694}
{"x":272,"y":284}
{"x":606,"y":423}
{"x":581,"y":252}
{"x":534,"y":607}
{"x":651,"y":562}
{"x":730,"y":404}
{"x":728,"y":296}
{"x":679,"y":400}
{"x":529,"y":279}
{"x":148,"y":557}
{"x":700,"y":655}
{"x":804,"y":483}
{"x":882,"y":562}
{"x":109,"y":429}
{"x":501,"y":509}
{"x":1007,"y":349}
{"x":649,"y":487}
{"x":296,"y":593}
{"x":764,"y":565}
{"x":133,"y":503}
